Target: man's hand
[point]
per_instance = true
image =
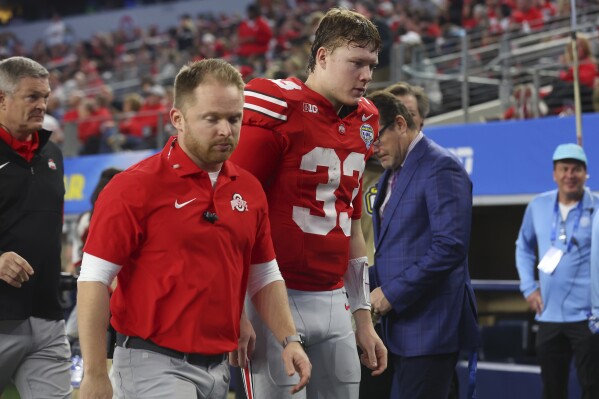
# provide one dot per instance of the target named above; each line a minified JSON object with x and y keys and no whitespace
{"x":535,"y":301}
{"x":95,"y":387}
{"x":246,"y":343}
{"x":14,"y":269}
{"x":378,"y":301}
{"x":374,"y":353}
{"x":295,"y":359}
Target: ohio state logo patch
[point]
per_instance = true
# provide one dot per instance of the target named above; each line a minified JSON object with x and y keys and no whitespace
{"x":237,"y":203}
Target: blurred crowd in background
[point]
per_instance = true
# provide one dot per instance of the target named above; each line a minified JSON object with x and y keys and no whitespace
{"x":115,"y":88}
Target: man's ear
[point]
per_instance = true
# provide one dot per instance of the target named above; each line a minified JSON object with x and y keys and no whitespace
{"x":321,"y":57}
{"x":401,"y":123}
{"x":177,"y":119}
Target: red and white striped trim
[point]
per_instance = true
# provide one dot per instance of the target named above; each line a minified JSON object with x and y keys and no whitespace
{"x":264,"y":104}
{"x":248,"y":380}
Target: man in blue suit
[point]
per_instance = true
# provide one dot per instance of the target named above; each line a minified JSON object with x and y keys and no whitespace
{"x":422,"y":216}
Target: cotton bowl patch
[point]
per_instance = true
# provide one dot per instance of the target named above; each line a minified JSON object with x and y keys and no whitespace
{"x":367,"y":134}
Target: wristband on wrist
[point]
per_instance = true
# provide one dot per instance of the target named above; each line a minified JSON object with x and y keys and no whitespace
{"x":293,"y":338}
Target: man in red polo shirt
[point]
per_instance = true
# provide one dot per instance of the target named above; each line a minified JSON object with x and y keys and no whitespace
{"x":187,"y":232}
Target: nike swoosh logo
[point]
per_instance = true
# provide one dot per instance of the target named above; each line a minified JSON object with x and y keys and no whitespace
{"x":179,"y":206}
{"x":365,"y":118}
{"x":3,"y":165}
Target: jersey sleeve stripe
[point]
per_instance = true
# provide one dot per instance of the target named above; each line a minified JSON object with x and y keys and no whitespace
{"x":274,"y":100}
{"x":265,"y":111}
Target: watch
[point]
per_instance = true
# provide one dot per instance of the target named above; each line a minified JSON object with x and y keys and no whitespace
{"x":293,"y":338}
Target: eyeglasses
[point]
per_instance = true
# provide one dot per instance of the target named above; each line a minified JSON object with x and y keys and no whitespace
{"x":377,"y":142}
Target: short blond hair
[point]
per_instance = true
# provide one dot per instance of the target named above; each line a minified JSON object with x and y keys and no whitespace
{"x":192,"y":75}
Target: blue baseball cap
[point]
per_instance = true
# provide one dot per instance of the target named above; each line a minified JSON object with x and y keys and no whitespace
{"x":569,"y":151}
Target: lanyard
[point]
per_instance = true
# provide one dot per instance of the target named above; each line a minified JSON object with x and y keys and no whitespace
{"x":557,"y":217}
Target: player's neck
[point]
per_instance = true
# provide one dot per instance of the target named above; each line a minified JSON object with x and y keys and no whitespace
{"x":314,"y":83}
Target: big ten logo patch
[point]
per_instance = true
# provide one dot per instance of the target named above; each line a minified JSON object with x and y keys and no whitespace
{"x":466,"y":156}
{"x":311,"y":108}
{"x":74,"y":185}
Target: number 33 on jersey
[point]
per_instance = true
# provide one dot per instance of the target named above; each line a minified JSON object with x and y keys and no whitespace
{"x":310,"y":162}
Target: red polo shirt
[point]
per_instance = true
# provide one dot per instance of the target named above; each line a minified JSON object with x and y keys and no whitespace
{"x":183,"y":279}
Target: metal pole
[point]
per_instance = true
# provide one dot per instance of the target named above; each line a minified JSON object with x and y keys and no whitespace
{"x":577,"y":106}
{"x":505,"y":88}
{"x":465,"y":91}
{"x":536,"y":83}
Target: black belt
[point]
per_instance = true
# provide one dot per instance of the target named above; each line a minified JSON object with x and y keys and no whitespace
{"x":197,"y":359}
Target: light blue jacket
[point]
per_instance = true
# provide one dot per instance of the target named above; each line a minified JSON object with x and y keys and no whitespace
{"x":595,"y":266}
{"x":566,"y":293}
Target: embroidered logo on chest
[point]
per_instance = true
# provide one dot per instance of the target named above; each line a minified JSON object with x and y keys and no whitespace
{"x":238,"y":203}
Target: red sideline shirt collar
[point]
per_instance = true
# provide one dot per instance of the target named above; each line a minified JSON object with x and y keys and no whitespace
{"x":26,"y":149}
{"x":184,"y":166}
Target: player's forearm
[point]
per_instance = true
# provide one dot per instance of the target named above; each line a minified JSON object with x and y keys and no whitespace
{"x":93,"y":314}
{"x":272,"y":305}
{"x":362,"y":319}
{"x":357,"y":244}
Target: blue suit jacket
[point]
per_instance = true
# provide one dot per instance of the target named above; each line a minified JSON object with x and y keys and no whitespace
{"x":421,"y":255}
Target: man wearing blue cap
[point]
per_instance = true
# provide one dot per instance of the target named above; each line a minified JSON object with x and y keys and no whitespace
{"x":557,"y":226}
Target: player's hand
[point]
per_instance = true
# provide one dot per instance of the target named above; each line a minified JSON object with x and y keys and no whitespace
{"x":378,"y":301}
{"x":535,"y":302}
{"x":295,"y":359}
{"x":374,"y":353}
{"x":95,"y":387}
{"x":14,"y":269}
{"x":245,"y":344}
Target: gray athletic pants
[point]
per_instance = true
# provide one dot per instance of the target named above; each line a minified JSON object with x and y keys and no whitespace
{"x":35,"y":356}
{"x":323,"y":319}
{"x":138,"y":373}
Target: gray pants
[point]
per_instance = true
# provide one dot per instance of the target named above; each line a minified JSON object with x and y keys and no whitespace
{"x":35,"y":357}
{"x":324,"y":320}
{"x":137,"y":373}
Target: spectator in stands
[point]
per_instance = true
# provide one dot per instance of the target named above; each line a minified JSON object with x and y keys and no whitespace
{"x":93,"y":122}
{"x":71,"y":113}
{"x":557,"y":227}
{"x":562,"y":93}
{"x":153,"y":115}
{"x":560,"y":98}
{"x":253,"y":36}
{"x":527,"y":16}
{"x":369,"y":9}
{"x":52,"y":124}
{"x":186,"y":33}
{"x":131,"y":127}
{"x":55,"y":32}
